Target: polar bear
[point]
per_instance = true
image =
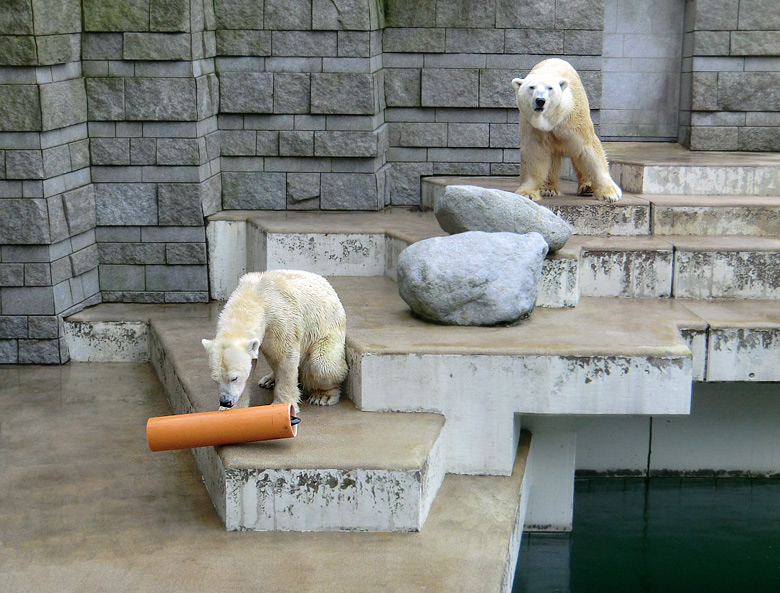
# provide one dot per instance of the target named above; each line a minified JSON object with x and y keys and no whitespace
{"x":298,"y":322}
{"x":555,"y":122}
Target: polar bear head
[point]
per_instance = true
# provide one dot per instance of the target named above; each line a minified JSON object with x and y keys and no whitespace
{"x":543,"y":99}
{"x":230,"y":362}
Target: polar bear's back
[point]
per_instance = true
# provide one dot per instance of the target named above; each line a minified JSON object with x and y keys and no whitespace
{"x":293,"y":298}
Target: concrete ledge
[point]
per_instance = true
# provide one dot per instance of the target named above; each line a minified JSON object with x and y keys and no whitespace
{"x":663,"y":168}
{"x":629,"y":216}
{"x":317,"y":481}
{"x":606,"y":356}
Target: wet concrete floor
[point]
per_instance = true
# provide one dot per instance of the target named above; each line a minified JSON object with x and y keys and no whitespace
{"x":85,"y":506}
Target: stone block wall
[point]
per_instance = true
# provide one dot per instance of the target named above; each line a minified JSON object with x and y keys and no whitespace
{"x":124,"y":123}
{"x":641,"y":80}
{"x":730,"y":85}
{"x":301,"y":104}
{"x":48,"y":251}
{"x":152,"y":95}
{"x":447,"y":69}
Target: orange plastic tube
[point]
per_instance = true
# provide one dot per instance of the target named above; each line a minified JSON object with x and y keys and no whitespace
{"x":201,"y":429}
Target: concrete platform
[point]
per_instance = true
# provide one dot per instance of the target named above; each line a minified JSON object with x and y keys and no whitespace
{"x":87,"y":507}
{"x":668,"y":168}
{"x":318,"y":481}
{"x":614,"y":357}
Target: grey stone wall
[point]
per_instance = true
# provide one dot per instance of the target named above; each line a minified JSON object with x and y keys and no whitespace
{"x":302,"y":104}
{"x":48,"y":253}
{"x":152,"y":100}
{"x":641,"y":80}
{"x":730,"y":96}
{"x":124,"y":123}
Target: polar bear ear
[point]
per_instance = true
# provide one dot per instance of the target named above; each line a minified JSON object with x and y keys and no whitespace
{"x":207,"y":344}
{"x":517,"y":82}
{"x":253,"y":347}
{"x":564,"y":83}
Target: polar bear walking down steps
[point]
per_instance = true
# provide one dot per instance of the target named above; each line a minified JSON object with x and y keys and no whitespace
{"x":555,"y":122}
{"x":298,"y":322}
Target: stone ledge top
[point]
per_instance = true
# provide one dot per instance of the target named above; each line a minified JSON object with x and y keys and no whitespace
{"x":735,"y":314}
{"x":652,"y":154}
{"x":378,"y":321}
{"x":403,"y":223}
{"x":327,"y":435}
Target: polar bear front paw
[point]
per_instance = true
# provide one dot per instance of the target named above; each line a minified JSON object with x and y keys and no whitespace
{"x":267,"y":381}
{"x":608,"y":193}
{"x":531,"y":195}
{"x":549,"y":192}
{"x":325,"y":398}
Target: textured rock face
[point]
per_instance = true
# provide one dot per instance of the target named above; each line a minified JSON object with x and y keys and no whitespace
{"x":471,"y":208}
{"x":472,"y":278}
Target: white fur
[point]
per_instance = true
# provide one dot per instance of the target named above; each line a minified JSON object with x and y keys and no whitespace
{"x":555,"y":122}
{"x":297,"y":321}
{"x":557,"y":98}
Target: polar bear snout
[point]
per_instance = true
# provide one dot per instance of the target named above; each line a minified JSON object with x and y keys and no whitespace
{"x":230,"y":393}
{"x":226,"y":401}
{"x":540,"y":97}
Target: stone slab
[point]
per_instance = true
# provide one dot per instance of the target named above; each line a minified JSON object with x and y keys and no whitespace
{"x":744,"y":339}
{"x":629,"y":216}
{"x":616,"y":361}
{"x":726,"y":267}
{"x":716,"y":215}
{"x":630,"y":267}
{"x":664,"y":168}
{"x":317,"y":481}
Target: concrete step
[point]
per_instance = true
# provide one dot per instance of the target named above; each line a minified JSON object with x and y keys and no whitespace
{"x":606,"y":357}
{"x":637,"y":214}
{"x":344,"y":244}
{"x":345,"y":471}
{"x":757,"y":216}
{"x":668,"y":168}
{"x":368,"y":244}
{"x":709,"y":267}
{"x":588,"y":216}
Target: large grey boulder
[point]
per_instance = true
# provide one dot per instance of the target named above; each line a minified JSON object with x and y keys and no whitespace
{"x":472,"y":278}
{"x":471,"y":208}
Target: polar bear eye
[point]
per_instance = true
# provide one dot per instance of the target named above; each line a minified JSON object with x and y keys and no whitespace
{"x":234,"y":379}
{"x":532,"y":87}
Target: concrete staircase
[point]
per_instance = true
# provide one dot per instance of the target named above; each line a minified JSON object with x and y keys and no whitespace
{"x":651,"y":294}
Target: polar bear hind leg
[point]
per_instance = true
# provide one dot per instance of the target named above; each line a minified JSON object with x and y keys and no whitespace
{"x":323,"y":371}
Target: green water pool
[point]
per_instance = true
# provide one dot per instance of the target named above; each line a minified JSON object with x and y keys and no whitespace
{"x":661,"y":535}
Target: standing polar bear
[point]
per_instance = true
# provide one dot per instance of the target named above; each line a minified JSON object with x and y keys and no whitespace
{"x":298,"y":322}
{"x":555,"y":122}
